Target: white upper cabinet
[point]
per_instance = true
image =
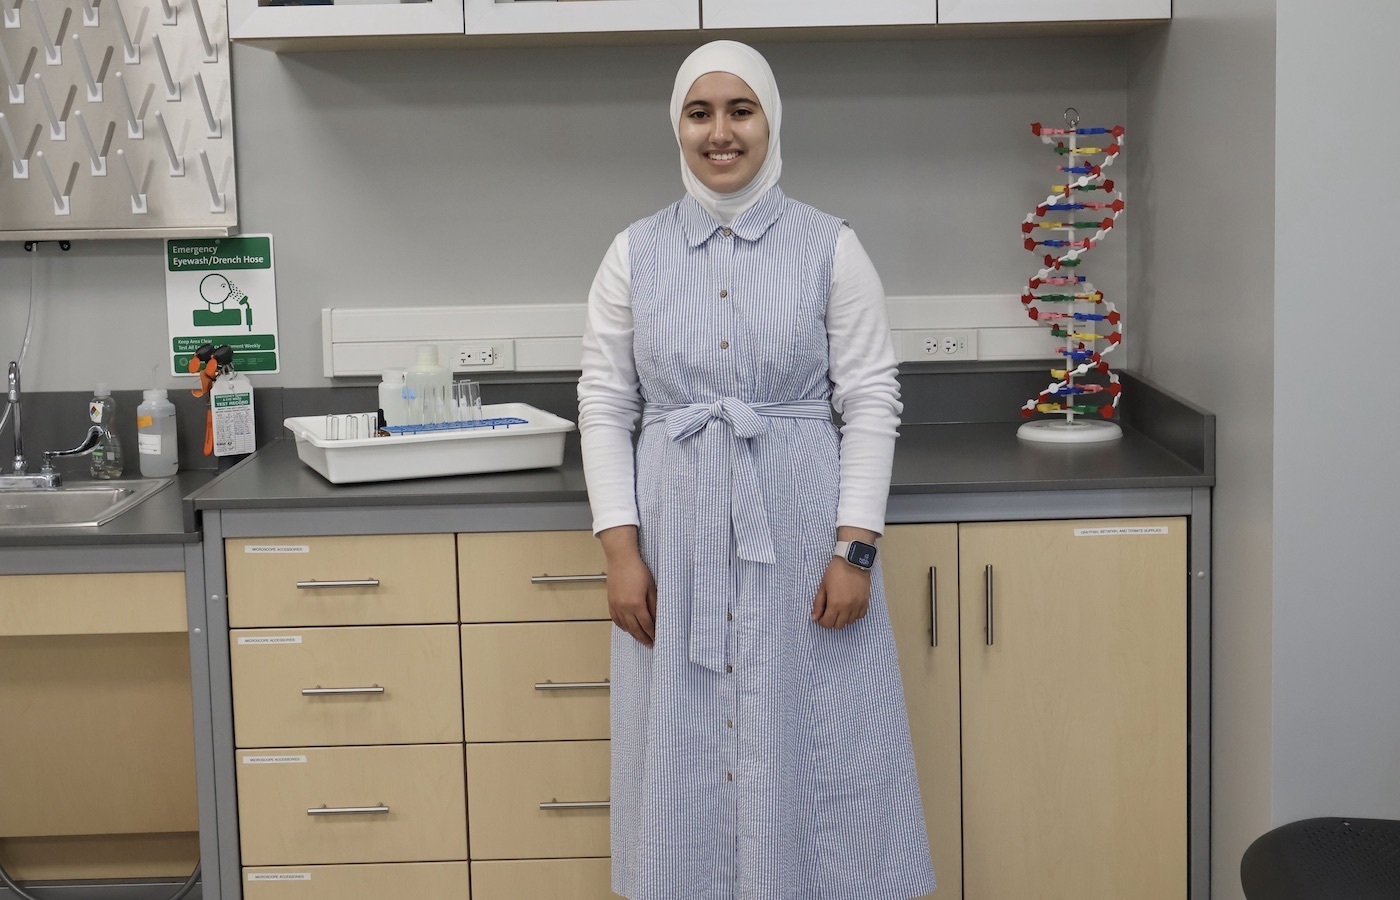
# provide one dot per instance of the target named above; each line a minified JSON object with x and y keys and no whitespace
{"x":257,"y":19}
{"x":954,"y":12}
{"x":816,"y":13}
{"x":575,"y":16}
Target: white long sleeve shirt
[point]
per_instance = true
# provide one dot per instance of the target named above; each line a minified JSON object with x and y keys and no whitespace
{"x":862,"y":368}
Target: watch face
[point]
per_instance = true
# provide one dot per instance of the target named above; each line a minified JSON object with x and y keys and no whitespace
{"x":861,"y":554}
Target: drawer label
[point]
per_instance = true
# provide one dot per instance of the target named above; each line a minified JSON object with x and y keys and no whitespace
{"x":1127,"y":529}
{"x":279,"y":876}
{"x":271,"y":760}
{"x":274,"y":639}
{"x":276,"y":548}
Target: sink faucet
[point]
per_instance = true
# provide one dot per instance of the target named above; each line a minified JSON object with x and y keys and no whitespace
{"x":19,"y":463}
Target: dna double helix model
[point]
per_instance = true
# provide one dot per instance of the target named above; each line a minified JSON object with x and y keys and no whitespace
{"x":1068,"y":224}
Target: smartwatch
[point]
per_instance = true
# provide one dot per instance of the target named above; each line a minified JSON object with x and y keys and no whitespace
{"x":857,"y":553}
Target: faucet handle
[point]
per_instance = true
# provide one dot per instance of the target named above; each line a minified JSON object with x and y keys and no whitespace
{"x":94,"y":434}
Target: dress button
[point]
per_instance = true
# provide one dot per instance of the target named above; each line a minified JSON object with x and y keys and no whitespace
{"x":729,"y":724}
{"x":726,"y":231}
{"x":724,"y":345}
{"x":729,"y":776}
{"x":729,"y":668}
{"x":729,"y":616}
{"x":724,"y":293}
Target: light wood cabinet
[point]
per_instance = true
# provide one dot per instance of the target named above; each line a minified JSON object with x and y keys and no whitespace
{"x":422,"y":881}
{"x":538,"y":800}
{"x":954,"y":12}
{"x":813,"y":13}
{"x":322,"y":687}
{"x":430,"y":729}
{"x":1072,"y":651}
{"x":532,"y":576}
{"x":350,"y":580}
{"x":96,"y":726}
{"x":351,"y":804}
{"x":536,"y":681}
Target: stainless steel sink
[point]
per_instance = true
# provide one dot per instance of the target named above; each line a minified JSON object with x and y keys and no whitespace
{"x":74,"y":505}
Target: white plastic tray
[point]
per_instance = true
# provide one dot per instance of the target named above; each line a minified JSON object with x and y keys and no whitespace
{"x":537,"y":444}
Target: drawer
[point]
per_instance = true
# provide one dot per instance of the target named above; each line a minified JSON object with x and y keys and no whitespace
{"x":426,"y":881}
{"x":507,"y":783}
{"x":354,"y":580}
{"x":538,"y":681}
{"x":421,"y":787}
{"x":542,"y":879}
{"x":532,"y":576}
{"x":110,"y":603}
{"x":395,"y":684}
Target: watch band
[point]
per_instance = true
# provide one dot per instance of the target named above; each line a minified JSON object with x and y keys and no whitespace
{"x":841,"y":549}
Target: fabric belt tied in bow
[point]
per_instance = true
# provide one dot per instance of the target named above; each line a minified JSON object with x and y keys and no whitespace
{"x":724,"y":429}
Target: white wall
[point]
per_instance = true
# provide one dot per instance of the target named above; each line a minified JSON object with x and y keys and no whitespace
{"x":1336,"y":492}
{"x":500,"y":176}
{"x":1201,"y":98}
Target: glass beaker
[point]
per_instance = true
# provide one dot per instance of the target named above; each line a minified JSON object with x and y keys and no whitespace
{"x":466,"y":400}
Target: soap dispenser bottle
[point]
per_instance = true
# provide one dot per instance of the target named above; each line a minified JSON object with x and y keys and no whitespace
{"x":107,"y":455}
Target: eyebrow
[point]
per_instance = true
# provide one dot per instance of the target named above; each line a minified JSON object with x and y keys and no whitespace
{"x":737,"y":101}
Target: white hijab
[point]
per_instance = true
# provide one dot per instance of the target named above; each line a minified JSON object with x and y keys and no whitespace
{"x":748,"y":64}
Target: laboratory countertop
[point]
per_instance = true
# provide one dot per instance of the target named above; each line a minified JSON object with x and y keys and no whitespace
{"x":928,"y":459}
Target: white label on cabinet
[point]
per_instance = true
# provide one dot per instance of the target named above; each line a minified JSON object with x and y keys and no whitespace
{"x":276,"y":548}
{"x":1113,"y":532}
{"x":279,"y":876}
{"x":271,"y":760}
{"x":279,"y":639}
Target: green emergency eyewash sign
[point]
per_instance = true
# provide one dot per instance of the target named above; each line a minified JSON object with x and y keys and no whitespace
{"x":222,"y":291}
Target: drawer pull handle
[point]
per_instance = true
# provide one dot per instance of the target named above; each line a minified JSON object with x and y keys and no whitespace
{"x":572,"y":685}
{"x":576,"y":804}
{"x":379,"y":810}
{"x":567,"y":579}
{"x":331,"y":692}
{"x":310,"y":585}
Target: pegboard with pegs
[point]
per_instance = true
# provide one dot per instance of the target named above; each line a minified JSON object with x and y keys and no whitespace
{"x":116,"y":119}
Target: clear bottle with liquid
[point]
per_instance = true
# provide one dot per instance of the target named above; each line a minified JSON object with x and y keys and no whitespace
{"x":155,"y":434}
{"x":106,"y":457}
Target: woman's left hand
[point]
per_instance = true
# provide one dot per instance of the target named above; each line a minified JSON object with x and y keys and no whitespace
{"x":843,"y":596}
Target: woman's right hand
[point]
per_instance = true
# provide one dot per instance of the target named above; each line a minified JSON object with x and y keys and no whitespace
{"x":631,"y":589}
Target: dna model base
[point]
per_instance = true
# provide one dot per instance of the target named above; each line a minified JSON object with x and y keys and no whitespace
{"x":1077,"y":431}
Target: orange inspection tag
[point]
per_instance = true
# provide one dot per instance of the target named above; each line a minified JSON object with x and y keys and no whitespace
{"x":145,"y":421}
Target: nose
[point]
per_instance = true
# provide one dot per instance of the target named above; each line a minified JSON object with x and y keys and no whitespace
{"x":720,"y":130}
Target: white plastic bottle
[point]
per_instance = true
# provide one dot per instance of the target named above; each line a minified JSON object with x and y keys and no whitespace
{"x":428,"y":388}
{"x":391,"y":397}
{"x":106,"y":457}
{"x":155,"y":434}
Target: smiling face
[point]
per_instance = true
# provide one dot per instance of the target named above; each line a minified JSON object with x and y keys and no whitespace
{"x":723,"y":132}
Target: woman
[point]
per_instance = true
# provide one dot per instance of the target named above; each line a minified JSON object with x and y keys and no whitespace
{"x":760,"y":746}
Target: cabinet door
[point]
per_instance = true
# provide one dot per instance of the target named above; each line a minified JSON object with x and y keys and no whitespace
{"x":965,"y":11}
{"x":809,"y":13}
{"x":527,"y":17}
{"x":1074,"y":709}
{"x":253,"y":19}
{"x":920,"y":563}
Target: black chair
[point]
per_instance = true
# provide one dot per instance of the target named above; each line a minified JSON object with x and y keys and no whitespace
{"x":1325,"y":859}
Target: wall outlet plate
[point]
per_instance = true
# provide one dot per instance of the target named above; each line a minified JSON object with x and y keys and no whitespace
{"x":483,"y":356}
{"x":939,"y":345}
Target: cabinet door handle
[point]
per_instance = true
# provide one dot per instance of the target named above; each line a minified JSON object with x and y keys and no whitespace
{"x":313,"y":584}
{"x":348,"y":810}
{"x":567,"y":579}
{"x":933,"y":606}
{"x":576,"y":804}
{"x":572,"y":685}
{"x":990,"y":594}
{"x":328,"y":692}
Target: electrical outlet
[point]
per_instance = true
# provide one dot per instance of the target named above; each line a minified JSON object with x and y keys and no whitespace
{"x":485,"y":356}
{"x":943,"y":345}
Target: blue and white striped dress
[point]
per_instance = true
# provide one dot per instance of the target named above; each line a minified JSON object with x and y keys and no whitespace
{"x":755,"y":754}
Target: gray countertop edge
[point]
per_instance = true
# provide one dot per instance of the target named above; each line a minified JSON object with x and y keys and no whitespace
{"x":166,"y":517}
